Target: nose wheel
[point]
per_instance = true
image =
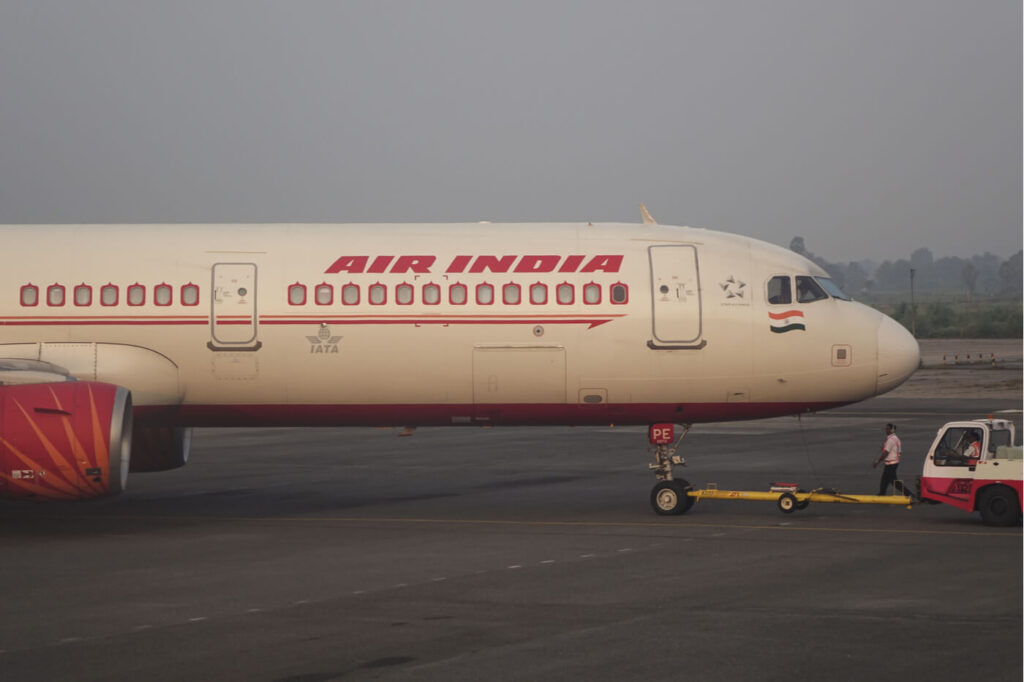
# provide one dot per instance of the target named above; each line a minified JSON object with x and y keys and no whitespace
{"x":669,"y":497}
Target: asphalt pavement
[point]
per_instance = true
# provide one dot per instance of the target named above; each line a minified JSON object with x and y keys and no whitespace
{"x":515,"y":554}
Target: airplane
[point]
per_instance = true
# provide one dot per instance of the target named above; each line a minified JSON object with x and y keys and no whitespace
{"x":117,"y":340}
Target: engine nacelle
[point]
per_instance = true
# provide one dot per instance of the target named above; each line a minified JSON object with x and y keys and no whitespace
{"x":160,"y":448}
{"x":63,"y":441}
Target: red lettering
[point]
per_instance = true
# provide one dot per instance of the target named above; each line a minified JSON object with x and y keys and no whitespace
{"x":380,"y":263}
{"x":571,"y":263}
{"x":537,"y":263}
{"x":348,"y":264}
{"x":492,"y":263}
{"x":413,"y":264}
{"x":459,"y":264}
{"x":603,"y":263}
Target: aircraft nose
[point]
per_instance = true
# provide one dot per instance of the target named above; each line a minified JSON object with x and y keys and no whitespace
{"x":898,"y":355}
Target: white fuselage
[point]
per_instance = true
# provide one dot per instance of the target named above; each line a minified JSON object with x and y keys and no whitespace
{"x":253,"y":324}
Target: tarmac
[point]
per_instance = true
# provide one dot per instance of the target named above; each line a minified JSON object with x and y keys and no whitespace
{"x":308,"y":555}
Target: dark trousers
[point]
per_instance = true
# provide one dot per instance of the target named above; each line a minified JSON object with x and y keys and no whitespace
{"x":888,"y":476}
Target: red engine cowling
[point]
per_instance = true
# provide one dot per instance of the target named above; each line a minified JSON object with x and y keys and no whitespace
{"x":64,"y":441}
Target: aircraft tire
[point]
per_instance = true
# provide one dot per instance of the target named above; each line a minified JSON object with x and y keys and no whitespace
{"x":669,"y":498}
{"x":787,"y":503}
{"x":802,"y":505}
{"x":999,"y":506}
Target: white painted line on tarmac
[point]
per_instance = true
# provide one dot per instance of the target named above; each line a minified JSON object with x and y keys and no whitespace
{"x":548,"y":561}
{"x":514,"y":566}
{"x":587,"y":556}
{"x":140,"y":628}
{"x":199,"y":619}
{"x":70,"y":640}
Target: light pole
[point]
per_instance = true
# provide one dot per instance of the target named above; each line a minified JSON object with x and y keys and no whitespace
{"x":913,"y":306}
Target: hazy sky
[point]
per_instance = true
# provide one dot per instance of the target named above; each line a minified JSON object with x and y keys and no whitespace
{"x":868,"y":127}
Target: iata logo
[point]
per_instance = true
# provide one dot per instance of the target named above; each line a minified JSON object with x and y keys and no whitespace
{"x":323,"y":342}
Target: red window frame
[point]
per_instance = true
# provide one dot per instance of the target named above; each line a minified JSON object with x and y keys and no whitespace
{"x":465,"y":291}
{"x":117,"y":294}
{"x":128,"y":294}
{"x":611,"y":293}
{"x":423,"y":293}
{"x":504,"y":293}
{"x":599,"y":295}
{"x":296,"y":286}
{"x":170,"y":292}
{"x":544,"y":288}
{"x":21,"y":295}
{"x":316,"y":293}
{"x":476,"y":291}
{"x":63,"y":295}
{"x":572,"y":293}
{"x":412,"y":293}
{"x":369,"y":294}
{"x":190,"y":287}
{"x":74,"y":295}
{"x":345,"y":287}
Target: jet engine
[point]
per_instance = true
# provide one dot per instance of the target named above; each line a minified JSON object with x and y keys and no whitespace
{"x":64,"y":441}
{"x":159,"y":448}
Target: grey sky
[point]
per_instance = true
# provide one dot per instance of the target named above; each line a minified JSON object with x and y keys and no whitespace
{"x":868,"y":127}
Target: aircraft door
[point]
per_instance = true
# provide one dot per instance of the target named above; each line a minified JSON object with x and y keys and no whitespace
{"x":233,"y":324}
{"x":676,"y":297}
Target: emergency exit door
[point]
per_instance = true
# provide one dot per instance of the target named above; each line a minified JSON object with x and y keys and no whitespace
{"x":675,"y":295}
{"x":233,"y":317}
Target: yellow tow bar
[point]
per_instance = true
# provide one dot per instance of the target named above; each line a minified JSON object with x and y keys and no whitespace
{"x":789,"y":499}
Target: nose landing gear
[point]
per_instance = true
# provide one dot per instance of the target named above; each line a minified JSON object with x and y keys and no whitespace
{"x":669,"y":497}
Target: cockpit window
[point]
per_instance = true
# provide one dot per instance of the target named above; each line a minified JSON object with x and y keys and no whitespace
{"x":779,"y":290}
{"x":808,"y":291}
{"x":832,"y":288}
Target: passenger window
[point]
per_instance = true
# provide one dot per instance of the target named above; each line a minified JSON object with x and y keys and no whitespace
{"x":403,"y":294}
{"x":959,"y":447}
{"x":350,"y":294}
{"x":109,"y":295}
{"x":431,"y":294}
{"x":484,"y":294}
{"x":324,"y":294}
{"x":136,"y":294}
{"x":510,"y":294}
{"x":55,"y":295}
{"x":190,"y":294}
{"x":30,"y":295}
{"x":565,"y":293}
{"x":297,"y":294}
{"x":538,"y":293}
{"x":592,"y":293}
{"x":620,"y":293}
{"x":457,"y":294}
{"x":162,"y":294}
{"x":809,"y":291}
{"x":779,"y":290}
{"x":83,"y":295}
{"x":378,"y":294}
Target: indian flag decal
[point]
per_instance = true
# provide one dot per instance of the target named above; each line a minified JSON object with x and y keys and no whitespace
{"x":786,"y":321}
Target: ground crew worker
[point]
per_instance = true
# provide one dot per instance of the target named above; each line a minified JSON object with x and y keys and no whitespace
{"x":891,"y":456}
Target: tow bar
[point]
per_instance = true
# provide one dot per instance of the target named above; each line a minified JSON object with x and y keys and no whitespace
{"x":789,"y":498}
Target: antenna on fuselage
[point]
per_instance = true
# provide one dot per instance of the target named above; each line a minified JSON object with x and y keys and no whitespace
{"x":646,"y":215}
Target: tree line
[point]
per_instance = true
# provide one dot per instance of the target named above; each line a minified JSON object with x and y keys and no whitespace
{"x":985,"y":273}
